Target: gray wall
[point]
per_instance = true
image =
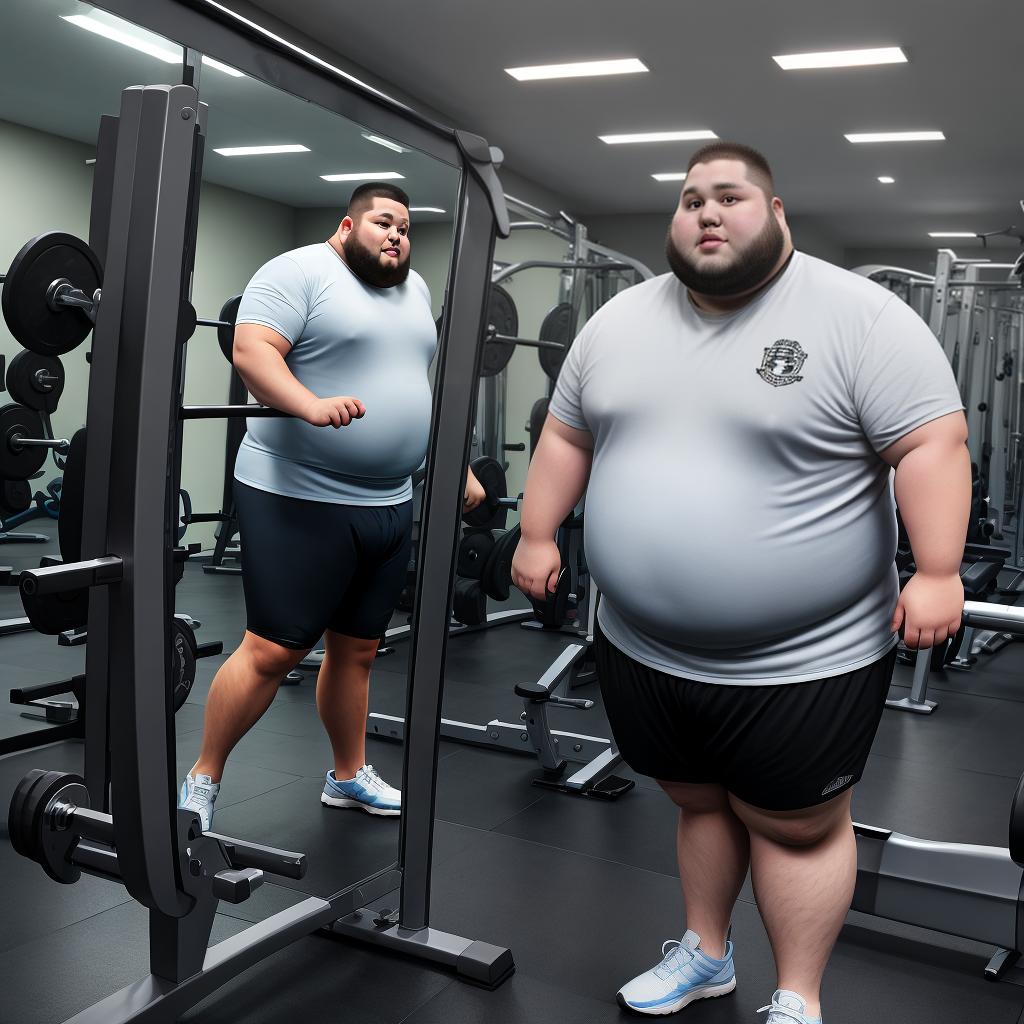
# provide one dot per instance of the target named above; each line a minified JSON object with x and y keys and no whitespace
{"x":237,"y":233}
{"x":923,"y":260}
{"x":49,"y":188}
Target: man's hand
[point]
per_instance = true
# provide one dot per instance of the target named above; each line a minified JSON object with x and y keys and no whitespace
{"x":535,"y":568}
{"x":929,"y":610}
{"x":338,"y":411}
{"x":474,"y":493}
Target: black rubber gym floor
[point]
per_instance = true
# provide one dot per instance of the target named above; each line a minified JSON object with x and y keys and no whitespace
{"x":583,"y":892}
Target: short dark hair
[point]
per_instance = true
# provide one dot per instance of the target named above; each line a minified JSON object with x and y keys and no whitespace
{"x":363,"y":197}
{"x":758,"y":171}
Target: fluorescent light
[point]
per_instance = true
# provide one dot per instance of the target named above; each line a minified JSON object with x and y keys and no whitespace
{"x":896,"y":137}
{"x":618,"y":140}
{"x":952,"y":234}
{"x":139,"y":39}
{"x":426,"y":209}
{"x":136,"y":43}
{"x":311,"y":57}
{"x":670,"y":176}
{"x":582,"y":69}
{"x":841,"y":58}
{"x":886,"y":180}
{"x":364,"y":176}
{"x":216,"y":64}
{"x":259,"y":150}
{"x":387,"y":143}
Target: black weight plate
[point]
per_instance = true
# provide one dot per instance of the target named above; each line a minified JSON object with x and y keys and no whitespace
{"x":469,"y":603}
{"x":72,"y":499}
{"x":20,"y":465}
{"x":551,"y":612}
{"x":503,"y":317}
{"x":53,"y":614}
{"x":15,"y":497}
{"x":27,"y":389}
{"x":1017,"y":825}
{"x":43,"y":260}
{"x":496,"y":580}
{"x":488,"y":515}
{"x":474,"y":550}
{"x":183,"y":662}
{"x":55,"y":845}
{"x":19,"y":819}
{"x":226,"y":335}
{"x":558,"y":327}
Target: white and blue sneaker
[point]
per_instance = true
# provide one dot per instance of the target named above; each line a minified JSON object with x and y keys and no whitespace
{"x":198,"y":795}
{"x":788,"y":1008}
{"x":367,"y":791}
{"x":684,"y":975}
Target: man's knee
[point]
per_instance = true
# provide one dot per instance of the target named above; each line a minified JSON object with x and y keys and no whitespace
{"x":269,"y":659}
{"x":697,"y":798}
{"x":351,"y":650}
{"x":806,"y":827}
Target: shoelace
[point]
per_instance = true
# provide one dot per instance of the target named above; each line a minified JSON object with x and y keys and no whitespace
{"x":201,"y":790}
{"x":371,"y":774}
{"x":782,"y":1011}
{"x":673,"y":959}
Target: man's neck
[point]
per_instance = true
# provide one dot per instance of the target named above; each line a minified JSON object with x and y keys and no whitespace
{"x":719,"y":305}
{"x":336,"y":245}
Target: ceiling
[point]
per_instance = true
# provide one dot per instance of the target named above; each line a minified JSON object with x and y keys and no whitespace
{"x":710,"y":67}
{"x":59,"y":78}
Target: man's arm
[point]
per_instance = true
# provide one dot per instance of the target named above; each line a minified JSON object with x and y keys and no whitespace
{"x":259,"y":357}
{"x":558,"y":476}
{"x":933,"y":492}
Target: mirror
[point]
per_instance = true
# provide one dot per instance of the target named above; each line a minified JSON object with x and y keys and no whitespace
{"x":277,"y":176}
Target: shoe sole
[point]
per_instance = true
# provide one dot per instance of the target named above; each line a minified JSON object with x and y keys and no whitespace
{"x":345,"y":801}
{"x":711,"y":992}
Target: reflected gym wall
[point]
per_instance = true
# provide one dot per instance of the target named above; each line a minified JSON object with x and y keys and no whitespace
{"x":237,"y":234}
{"x":53,"y":186}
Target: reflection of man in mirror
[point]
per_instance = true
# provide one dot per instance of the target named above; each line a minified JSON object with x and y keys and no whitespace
{"x":735,"y":424}
{"x":338,"y":335}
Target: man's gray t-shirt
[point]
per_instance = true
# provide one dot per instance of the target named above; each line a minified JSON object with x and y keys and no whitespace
{"x":348,"y":338}
{"x":739,"y":521}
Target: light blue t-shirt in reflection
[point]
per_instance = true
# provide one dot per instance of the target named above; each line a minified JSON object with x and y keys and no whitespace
{"x":347,"y":338}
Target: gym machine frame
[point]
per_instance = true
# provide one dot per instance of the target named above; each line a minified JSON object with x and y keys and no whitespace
{"x":976,"y":892}
{"x":157,"y":852}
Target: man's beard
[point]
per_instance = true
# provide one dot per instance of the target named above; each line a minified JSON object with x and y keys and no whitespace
{"x":750,"y":268}
{"x":365,"y":264}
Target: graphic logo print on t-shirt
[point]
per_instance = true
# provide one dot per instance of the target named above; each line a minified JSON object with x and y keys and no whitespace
{"x":782,"y":363}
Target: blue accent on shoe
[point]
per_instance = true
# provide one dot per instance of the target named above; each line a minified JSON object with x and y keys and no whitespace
{"x":366,"y":791}
{"x":684,"y":975}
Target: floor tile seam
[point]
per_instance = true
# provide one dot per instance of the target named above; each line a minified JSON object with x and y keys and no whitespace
{"x":429,"y":999}
{"x":948,"y":688}
{"x":972,"y":771}
{"x":72,"y":924}
{"x":585,"y":854}
{"x":266,"y":792}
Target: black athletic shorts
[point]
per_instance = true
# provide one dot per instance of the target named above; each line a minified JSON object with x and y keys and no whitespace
{"x":310,"y":566}
{"x":780,"y":748}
